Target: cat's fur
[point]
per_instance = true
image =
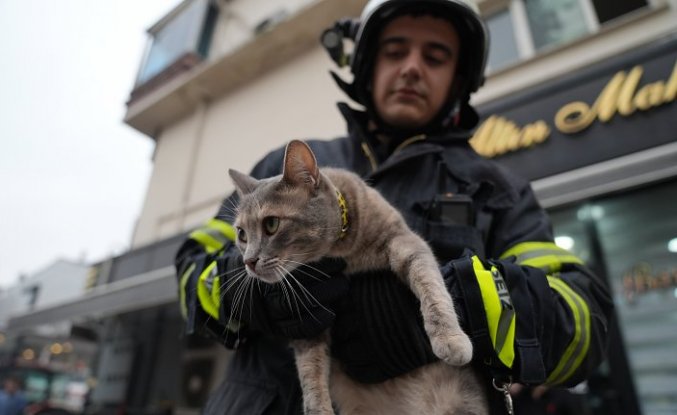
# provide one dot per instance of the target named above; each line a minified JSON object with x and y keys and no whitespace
{"x":310,"y":223}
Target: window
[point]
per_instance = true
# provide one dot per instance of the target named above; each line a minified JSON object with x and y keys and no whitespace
{"x":522,"y":28}
{"x":555,"y":22}
{"x":503,"y":49}
{"x":186,"y":32}
{"x":610,"y":9}
{"x":33,"y":294}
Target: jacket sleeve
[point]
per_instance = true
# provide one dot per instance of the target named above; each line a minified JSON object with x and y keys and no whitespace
{"x":540,"y":315}
{"x":198,"y":274}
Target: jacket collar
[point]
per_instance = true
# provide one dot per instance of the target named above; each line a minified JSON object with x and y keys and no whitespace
{"x":476,"y":173}
{"x":358,"y":125}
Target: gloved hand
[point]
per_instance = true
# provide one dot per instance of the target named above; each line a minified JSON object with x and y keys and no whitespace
{"x":379,"y":331}
{"x":300,"y":307}
{"x":319,"y":288}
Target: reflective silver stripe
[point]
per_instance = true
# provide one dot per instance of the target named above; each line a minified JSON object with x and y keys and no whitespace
{"x":209,"y":280}
{"x":216,"y":234}
{"x":544,"y":255}
{"x":540,"y":252}
{"x":507,"y":311}
{"x":211,"y":239}
{"x":548,"y":261}
{"x":504,"y":323}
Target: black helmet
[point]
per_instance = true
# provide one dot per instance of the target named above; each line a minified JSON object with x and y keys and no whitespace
{"x":463,"y":14}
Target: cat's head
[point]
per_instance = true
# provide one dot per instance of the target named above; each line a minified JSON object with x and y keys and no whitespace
{"x":288,"y":220}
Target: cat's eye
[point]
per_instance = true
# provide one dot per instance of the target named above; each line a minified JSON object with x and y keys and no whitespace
{"x":270,"y":224}
{"x":241,"y":235}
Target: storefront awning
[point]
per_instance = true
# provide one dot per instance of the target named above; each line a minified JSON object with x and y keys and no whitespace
{"x":146,"y":290}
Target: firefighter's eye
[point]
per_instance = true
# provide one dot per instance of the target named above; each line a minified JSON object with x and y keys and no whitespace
{"x":241,"y":235}
{"x":270,"y":224}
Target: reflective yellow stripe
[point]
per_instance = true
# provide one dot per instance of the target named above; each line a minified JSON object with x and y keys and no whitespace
{"x":214,"y":235}
{"x":544,"y":255}
{"x":207,"y":241}
{"x":216,"y":290}
{"x":226,"y":228}
{"x":499,"y":311}
{"x":578,"y":348}
{"x":204,"y":294}
{"x":182,"y":290}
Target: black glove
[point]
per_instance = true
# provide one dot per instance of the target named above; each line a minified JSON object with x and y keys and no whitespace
{"x":379,"y":331}
{"x":312,"y":310}
{"x":300,"y":307}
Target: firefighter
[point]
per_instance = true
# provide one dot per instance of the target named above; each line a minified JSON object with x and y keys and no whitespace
{"x":535,"y":313}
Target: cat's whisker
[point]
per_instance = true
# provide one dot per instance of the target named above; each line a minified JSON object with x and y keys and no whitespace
{"x":233,"y":271}
{"x":298,"y":299}
{"x":246,"y":291}
{"x":204,"y":324}
{"x":300,"y":269}
{"x":233,"y":209}
{"x":228,"y":215}
{"x":239,"y":297}
{"x":300,"y":254}
{"x":235,"y":305}
{"x":251,"y":295}
{"x":310,"y":297}
{"x":229,"y":284}
{"x":284,"y":283}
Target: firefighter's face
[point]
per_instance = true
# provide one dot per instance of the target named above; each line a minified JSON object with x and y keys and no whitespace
{"x":414,"y":69}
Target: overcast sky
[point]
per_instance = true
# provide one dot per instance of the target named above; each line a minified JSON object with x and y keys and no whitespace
{"x":72,"y":175}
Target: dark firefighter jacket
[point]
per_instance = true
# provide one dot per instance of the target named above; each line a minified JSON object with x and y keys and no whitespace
{"x":555,"y":324}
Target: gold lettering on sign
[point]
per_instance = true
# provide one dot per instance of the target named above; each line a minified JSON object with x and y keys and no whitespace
{"x":620,"y":96}
{"x":498,"y":135}
{"x":650,"y":96}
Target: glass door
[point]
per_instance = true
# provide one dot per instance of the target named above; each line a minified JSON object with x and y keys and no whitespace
{"x":630,"y":239}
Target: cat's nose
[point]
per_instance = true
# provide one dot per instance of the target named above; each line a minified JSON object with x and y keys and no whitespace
{"x":251,"y":263}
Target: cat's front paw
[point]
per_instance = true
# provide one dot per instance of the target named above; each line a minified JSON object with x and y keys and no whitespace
{"x":453,"y":348}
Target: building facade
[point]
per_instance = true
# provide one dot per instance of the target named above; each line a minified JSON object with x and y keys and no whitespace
{"x":579,"y":98}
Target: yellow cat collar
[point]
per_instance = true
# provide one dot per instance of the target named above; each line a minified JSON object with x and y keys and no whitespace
{"x":344,"y":213}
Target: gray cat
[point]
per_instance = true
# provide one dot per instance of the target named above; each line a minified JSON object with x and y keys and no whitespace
{"x":307,"y":214}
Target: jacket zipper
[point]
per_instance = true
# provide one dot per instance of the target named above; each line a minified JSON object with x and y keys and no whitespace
{"x":408,"y":141}
{"x":370,"y":154}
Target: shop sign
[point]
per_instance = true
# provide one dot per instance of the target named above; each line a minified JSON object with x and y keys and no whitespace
{"x":622,"y":95}
{"x":619,"y":96}
{"x":614,"y":108}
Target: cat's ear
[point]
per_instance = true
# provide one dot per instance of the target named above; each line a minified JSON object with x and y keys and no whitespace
{"x":243,"y":184}
{"x":300,"y":165}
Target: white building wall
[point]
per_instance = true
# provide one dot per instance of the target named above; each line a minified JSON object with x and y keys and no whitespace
{"x":60,"y":282}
